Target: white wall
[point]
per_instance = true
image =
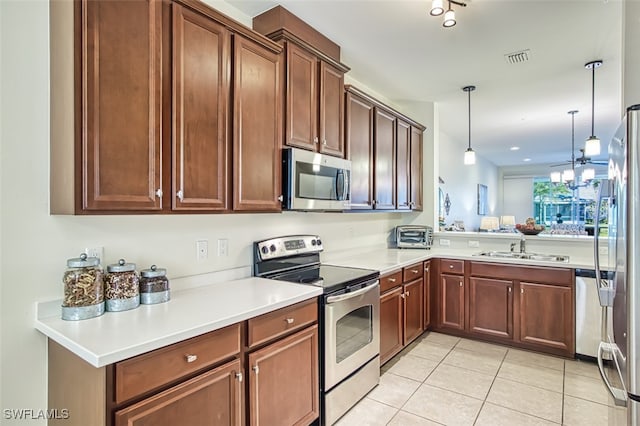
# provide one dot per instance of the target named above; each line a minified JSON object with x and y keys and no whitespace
{"x":35,"y":245}
{"x":631,"y":54}
{"x":461,"y":183}
{"x":517,"y":198}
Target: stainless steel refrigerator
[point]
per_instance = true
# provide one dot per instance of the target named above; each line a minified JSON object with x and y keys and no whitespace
{"x":618,"y":353}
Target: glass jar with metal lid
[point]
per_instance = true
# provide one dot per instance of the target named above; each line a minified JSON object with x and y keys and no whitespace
{"x":154,"y":285}
{"x":121,"y":287}
{"x":83,"y":289}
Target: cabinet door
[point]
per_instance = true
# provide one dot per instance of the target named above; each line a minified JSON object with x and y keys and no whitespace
{"x":256,"y":128}
{"x":283,"y":381}
{"x":427,"y":294}
{"x":451,"y":301}
{"x":415,"y":159}
{"x":546,"y":316}
{"x":413,"y":310}
{"x":384,"y":160}
{"x":331,"y":129}
{"x":390,"y":324}
{"x":302,"y":98}
{"x":121,"y":103}
{"x":491,"y":307}
{"x":359,"y":133}
{"x":200,"y":103}
{"x":212,"y":398}
{"x":402,"y":165}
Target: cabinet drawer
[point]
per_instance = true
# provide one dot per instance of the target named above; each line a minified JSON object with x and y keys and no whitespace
{"x":282,"y":321}
{"x":451,"y":266}
{"x":412,"y":272}
{"x":390,"y":281}
{"x":152,"y":370}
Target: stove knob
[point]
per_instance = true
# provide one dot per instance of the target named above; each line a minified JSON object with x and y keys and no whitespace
{"x":272,"y":248}
{"x":318,"y":242}
{"x":313,"y":242}
{"x":264,"y":250}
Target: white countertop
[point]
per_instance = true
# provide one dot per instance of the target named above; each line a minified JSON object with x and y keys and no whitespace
{"x":115,"y":336}
{"x":393,"y":259}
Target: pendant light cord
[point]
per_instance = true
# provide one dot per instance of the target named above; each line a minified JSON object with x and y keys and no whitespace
{"x":469,"y":97}
{"x":593,"y":98}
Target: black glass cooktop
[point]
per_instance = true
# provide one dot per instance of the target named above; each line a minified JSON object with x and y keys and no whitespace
{"x":330,"y":278}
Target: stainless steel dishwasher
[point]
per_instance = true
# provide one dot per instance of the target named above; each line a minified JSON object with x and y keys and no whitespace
{"x":590,"y":316}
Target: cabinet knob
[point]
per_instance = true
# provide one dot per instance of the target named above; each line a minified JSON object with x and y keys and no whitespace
{"x":280,"y":198}
{"x":315,"y":140}
{"x":426,"y":269}
{"x":159,"y":193}
{"x":460,"y":283}
{"x":402,"y":295}
{"x":289,"y":320}
{"x":190,"y":357}
{"x":180,"y":195}
{"x":392,"y":280}
{"x":256,"y":369}
{"x":324,"y":142}
{"x":450,"y":266}
{"x":522,"y":291}
{"x":509,"y":289}
{"x":407,"y":293}
{"x":415,"y":271}
{"x":239,"y":377}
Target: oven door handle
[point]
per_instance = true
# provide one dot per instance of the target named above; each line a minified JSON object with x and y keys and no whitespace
{"x":352,"y":294}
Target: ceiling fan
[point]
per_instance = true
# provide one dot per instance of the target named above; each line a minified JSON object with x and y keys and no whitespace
{"x":581,"y":161}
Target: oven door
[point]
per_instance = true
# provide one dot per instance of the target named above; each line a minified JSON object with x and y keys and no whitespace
{"x":352,"y":332}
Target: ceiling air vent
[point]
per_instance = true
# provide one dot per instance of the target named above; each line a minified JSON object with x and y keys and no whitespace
{"x":518,"y":57}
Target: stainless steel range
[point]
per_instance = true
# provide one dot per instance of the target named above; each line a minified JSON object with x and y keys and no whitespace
{"x":349,"y":312}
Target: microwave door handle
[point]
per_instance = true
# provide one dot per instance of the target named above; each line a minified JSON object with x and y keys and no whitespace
{"x":340,"y":184}
{"x":346,"y":185}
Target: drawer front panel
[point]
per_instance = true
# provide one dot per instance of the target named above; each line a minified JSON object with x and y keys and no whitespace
{"x":451,"y":266}
{"x":152,"y":370}
{"x":269,"y":326}
{"x":390,"y":281}
{"x":412,"y":272}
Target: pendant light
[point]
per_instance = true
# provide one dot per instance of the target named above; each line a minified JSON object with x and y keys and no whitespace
{"x":592,"y":145}
{"x":437,"y":8}
{"x":469,"y":154}
{"x":449,"y":17}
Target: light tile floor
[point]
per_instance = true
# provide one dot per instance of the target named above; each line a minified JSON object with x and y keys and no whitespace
{"x":446,"y":380}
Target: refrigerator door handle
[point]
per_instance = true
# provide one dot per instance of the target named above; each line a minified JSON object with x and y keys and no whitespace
{"x":619,"y":395}
{"x":606,"y":292}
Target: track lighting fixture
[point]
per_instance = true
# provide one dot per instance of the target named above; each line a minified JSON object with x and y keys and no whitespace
{"x":437,"y":9}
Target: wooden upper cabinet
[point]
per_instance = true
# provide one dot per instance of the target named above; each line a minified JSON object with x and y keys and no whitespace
{"x":314,"y":103}
{"x":120,"y":103}
{"x":384,"y":159}
{"x":257,"y":131}
{"x":416,"y":171}
{"x":403,"y":176}
{"x":359,"y":141}
{"x":302,"y":98}
{"x":331,"y":129}
{"x":201,"y":64}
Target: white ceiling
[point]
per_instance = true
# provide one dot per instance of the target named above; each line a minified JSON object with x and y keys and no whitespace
{"x":398,"y":49}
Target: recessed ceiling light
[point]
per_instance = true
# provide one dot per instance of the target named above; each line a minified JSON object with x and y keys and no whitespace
{"x":514,"y":148}
{"x":526,"y":159}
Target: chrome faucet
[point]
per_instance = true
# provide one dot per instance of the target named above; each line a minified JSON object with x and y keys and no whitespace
{"x":513,"y":247}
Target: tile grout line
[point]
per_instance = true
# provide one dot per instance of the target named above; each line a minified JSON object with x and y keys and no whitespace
{"x":495,"y":376}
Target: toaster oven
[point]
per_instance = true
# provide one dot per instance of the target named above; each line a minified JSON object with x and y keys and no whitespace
{"x":414,"y":236}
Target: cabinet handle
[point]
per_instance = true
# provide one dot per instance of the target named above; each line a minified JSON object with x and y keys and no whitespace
{"x":509,"y":289}
{"x":402,"y":295}
{"x":256,"y":369}
{"x":280,"y":198}
{"x":324,"y":142}
{"x":522,"y":291}
{"x":239,"y":377}
{"x":190,"y":357}
{"x":180,"y":195}
{"x":315,"y":140}
{"x":159,"y":193}
{"x":426,"y":269}
{"x":460,"y":283}
{"x":415,"y":271}
{"x":289,"y":320}
{"x":450,"y":266}
{"x":392,"y":280}
{"x":407,"y":293}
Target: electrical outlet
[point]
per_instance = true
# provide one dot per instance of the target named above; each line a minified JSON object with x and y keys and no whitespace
{"x":444,"y":242}
{"x":202,"y":250}
{"x":223,"y":247}
{"x":474,"y":243}
{"x":95,"y":252}
{"x":603,"y":249}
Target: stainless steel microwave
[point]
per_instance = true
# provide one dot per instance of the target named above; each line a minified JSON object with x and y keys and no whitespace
{"x":314,"y":181}
{"x":414,"y":236}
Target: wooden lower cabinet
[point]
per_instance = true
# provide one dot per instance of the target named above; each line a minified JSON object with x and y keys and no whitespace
{"x":451,"y":312}
{"x":390,"y":324}
{"x":546,"y":316}
{"x":283,"y":381}
{"x":212,"y":398}
{"x":491,"y":307}
{"x":426,"y":277}
{"x":413,"y":310}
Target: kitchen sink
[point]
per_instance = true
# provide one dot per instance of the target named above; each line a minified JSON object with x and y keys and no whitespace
{"x":526,"y":256}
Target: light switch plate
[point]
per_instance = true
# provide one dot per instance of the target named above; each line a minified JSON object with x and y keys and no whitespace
{"x":444,"y":242}
{"x":474,"y":243}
